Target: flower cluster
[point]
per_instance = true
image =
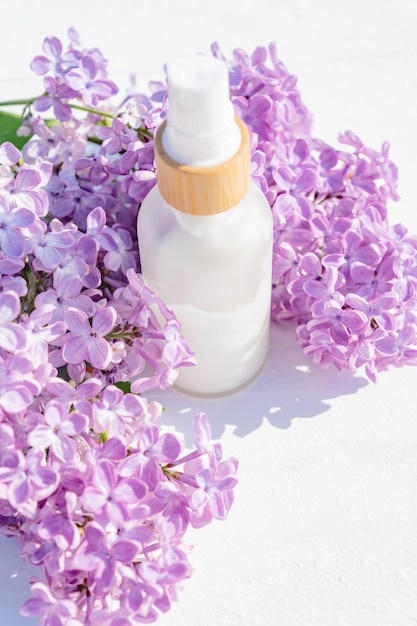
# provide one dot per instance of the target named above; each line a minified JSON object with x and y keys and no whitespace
{"x":97,"y":494}
{"x":341,"y":272}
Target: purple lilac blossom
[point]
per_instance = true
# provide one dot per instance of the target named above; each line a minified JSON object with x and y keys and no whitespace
{"x":77,"y":321}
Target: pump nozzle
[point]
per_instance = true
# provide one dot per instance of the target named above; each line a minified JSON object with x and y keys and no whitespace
{"x":201,"y":128}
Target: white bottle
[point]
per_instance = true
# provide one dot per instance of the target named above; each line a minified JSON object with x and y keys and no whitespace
{"x":205,"y":232}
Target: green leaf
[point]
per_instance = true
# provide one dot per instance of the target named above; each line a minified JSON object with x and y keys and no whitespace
{"x":9,"y":123}
{"x":123,"y":385}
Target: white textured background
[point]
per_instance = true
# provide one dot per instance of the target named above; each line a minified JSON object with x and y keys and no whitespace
{"x":324,"y":528}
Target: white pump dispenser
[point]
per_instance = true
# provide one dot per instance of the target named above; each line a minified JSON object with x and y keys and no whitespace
{"x":205,"y":232}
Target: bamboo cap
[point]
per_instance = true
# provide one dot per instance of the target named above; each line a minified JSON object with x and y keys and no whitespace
{"x":203,"y":190}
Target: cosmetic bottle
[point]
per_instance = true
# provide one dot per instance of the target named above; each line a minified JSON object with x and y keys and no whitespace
{"x":205,"y":231}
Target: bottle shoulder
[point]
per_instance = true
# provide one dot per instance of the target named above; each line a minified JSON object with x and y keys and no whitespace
{"x":253,"y":208}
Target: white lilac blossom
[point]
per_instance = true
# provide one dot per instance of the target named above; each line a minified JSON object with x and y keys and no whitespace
{"x":99,"y":497}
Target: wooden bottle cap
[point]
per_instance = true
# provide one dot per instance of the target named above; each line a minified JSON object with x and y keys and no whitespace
{"x":203,"y":190}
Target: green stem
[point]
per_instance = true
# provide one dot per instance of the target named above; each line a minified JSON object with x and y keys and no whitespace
{"x":9,"y":103}
{"x":79,"y":107}
{"x":29,"y":101}
{"x":141,"y":131}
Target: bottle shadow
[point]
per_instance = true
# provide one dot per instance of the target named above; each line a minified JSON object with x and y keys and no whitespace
{"x":290,"y":386}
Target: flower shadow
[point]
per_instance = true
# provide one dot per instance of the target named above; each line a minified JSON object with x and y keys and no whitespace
{"x":289,"y":387}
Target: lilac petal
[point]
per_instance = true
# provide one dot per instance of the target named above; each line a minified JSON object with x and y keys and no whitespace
{"x":354,"y":320}
{"x":93,"y":499}
{"x":19,"y":491}
{"x":27,"y":179}
{"x":167,"y":448}
{"x":15,"y":399}
{"x":74,"y":80}
{"x":124,"y":551}
{"x":50,"y":257}
{"x":96,"y":538}
{"x":407,"y":335}
{"x":306,"y":181}
{"x":9,"y":306}
{"x":130,"y":490}
{"x":70,"y":287}
{"x":89,"y":67}
{"x":40,"y":437}
{"x":387,"y":345}
{"x":13,"y":245}
{"x":41,"y":65}
{"x":106,"y":580}
{"x":96,"y":220}
{"x":77,"y":322}
{"x":114,"y":449}
{"x":90,"y":388}
{"x":316,"y":289}
{"x":339,"y":333}
{"x":34,"y":607}
{"x":75,"y":349}
{"x":202,"y":429}
{"x":311,"y":264}
{"x":12,"y":337}
{"x":64,"y":448}
{"x":9,"y":154}
{"x":22,"y":217}
{"x":361,"y":273}
{"x":75,"y":423}
{"x":43,"y":103}
{"x":99,"y":353}
{"x":104,"y":88}
{"x":260,"y":105}
{"x":104,"y":321}
{"x":226,"y":484}
{"x":62,"y":110}
{"x":357,"y":302}
{"x":45,"y":479}
{"x":105,"y":476}
{"x":52,"y":47}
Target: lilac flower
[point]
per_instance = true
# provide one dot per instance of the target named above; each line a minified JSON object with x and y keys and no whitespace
{"x":115,"y":138}
{"x":340,"y":322}
{"x":176,"y":352}
{"x":67,"y":294}
{"x":58,"y":431}
{"x":28,"y":479}
{"x":292,"y":189}
{"x":208,"y":500}
{"x":101,"y":558}
{"x":84,"y":80}
{"x":88,"y":343}
{"x":110,"y":495}
{"x":69,"y":395}
{"x":122,"y":255}
{"x":47,"y":246}
{"x":114,"y":411}
{"x":325,"y":291}
{"x":55,"y":611}
{"x":53,"y":59}
{"x":152,"y":450}
{"x":401,"y":344}
{"x":39,"y":333}
{"x":57,"y":97}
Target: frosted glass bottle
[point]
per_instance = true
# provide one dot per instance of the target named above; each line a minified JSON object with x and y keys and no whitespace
{"x":205,"y":232}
